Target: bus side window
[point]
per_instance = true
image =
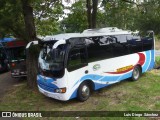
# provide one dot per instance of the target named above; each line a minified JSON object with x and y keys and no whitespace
{"x":77,"y":58}
{"x":97,"y":52}
{"x":134,"y":43}
{"x":147,"y":43}
{"x":120,"y":49}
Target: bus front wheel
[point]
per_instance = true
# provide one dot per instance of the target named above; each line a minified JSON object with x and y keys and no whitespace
{"x":136,"y":73}
{"x":83,"y":92}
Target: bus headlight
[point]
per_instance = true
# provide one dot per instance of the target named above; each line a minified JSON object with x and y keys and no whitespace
{"x":60,"y":90}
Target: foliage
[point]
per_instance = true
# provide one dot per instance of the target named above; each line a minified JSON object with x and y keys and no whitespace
{"x":119,"y":13}
{"x":11,"y":22}
{"x":157,"y":61}
{"x":149,"y":19}
{"x":47,"y":27}
{"x":77,"y":18}
{"x":47,"y":14}
{"x":110,"y":13}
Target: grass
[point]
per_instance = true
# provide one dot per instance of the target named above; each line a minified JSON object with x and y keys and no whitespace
{"x":157,"y":44}
{"x":142,"y":95}
{"x":157,"y":64}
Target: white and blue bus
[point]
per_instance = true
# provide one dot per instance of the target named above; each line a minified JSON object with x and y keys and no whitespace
{"x":75,"y":64}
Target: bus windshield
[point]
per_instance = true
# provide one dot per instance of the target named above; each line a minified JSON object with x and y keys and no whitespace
{"x":52,"y":59}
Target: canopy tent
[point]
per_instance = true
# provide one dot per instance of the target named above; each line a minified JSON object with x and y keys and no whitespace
{"x":7,"y":39}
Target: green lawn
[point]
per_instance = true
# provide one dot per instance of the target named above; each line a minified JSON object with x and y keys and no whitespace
{"x":157,"y":61}
{"x":142,"y":95}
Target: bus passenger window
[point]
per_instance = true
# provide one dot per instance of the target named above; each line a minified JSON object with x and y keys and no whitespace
{"x":120,"y":49}
{"x":97,"y":52}
{"x":77,"y":59}
{"x":134,"y":43}
{"x":147,"y":44}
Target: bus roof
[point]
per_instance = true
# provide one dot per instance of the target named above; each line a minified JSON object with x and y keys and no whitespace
{"x":63,"y":36}
{"x":104,"y":30}
{"x":88,"y":33}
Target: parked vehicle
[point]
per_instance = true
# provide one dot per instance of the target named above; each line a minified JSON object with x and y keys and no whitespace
{"x":4,"y":62}
{"x":17,"y":58}
{"x":4,"y":66}
{"x":72,"y":65}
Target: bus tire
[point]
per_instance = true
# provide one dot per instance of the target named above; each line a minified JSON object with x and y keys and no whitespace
{"x":136,"y":73}
{"x":84,"y":92}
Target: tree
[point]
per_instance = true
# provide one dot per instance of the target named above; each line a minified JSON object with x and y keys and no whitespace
{"x":149,"y":17}
{"x":17,"y":19}
{"x":30,"y":36}
{"x":120,"y":14}
{"x":76,"y":21}
{"x":91,"y":12}
{"x":47,"y":14}
{"x":11,"y":22}
{"x":30,"y":30}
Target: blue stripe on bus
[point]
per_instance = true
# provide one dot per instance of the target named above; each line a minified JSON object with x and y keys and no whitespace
{"x":46,"y":84}
{"x":152,"y":60}
{"x":147,"y":62}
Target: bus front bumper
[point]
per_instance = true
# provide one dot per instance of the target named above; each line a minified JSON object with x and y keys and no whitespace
{"x":58,"y":96}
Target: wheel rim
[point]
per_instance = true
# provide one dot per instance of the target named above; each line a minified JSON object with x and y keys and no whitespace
{"x":85,"y":91}
{"x":136,"y":73}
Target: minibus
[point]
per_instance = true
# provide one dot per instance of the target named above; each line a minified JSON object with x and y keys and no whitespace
{"x":72,"y":65}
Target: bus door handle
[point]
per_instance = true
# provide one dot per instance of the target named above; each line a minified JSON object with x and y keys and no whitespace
{"x":86,"y":72}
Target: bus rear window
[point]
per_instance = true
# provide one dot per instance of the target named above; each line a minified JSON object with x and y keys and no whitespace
{"x":17,"y":53}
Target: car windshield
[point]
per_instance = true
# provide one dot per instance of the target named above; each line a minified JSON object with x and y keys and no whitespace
{"x":52,"y":59}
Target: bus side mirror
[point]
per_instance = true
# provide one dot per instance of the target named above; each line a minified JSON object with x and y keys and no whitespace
{"x":31,"y":43}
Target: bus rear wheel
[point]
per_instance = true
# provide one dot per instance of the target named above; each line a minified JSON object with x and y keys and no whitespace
{"x":84,"y":92}
{"x":136,"y":73}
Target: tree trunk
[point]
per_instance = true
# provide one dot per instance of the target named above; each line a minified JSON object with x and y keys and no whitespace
{"x":89,"y":14}
{"x":31,"y":35}
{"x":94,"y":13}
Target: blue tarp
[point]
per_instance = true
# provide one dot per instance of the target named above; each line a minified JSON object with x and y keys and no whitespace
{"x":7,"y":39}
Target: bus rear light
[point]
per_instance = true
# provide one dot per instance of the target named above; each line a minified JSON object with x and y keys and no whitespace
{"x":60,"y":90}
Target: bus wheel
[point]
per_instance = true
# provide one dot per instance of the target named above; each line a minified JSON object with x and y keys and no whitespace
{"x":83,"y":92}
{"x":136,"y":73}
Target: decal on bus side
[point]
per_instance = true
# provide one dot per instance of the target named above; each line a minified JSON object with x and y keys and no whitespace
{"x":125,"y":68}
{"x":96,"y":67}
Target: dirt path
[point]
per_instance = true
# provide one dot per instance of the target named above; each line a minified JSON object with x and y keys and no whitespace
{"x":6,"y":82}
